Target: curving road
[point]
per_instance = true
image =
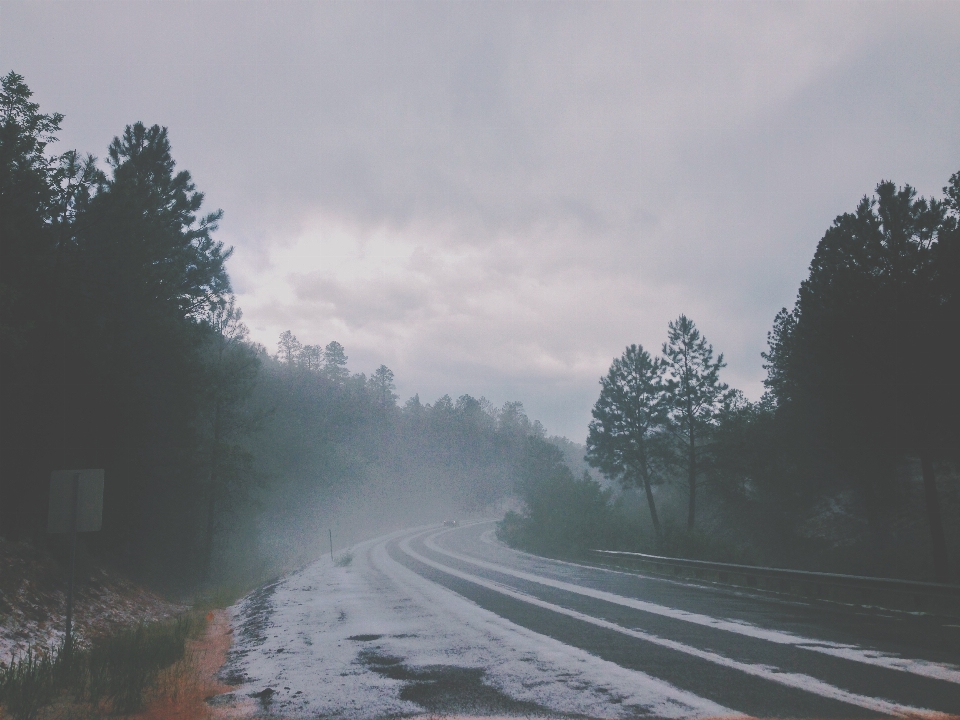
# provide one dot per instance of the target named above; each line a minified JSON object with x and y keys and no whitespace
{"x":466,"y":624}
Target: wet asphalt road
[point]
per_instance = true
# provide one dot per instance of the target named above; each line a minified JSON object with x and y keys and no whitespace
{"x":762,"y":656}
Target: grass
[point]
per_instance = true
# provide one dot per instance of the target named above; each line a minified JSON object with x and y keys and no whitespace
{"x":113,"y":675}
{"x":344,"y":559}
{"x":30,"y":682}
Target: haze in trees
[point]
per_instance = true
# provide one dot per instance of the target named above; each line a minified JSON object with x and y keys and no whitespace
{"x":123,"y":348}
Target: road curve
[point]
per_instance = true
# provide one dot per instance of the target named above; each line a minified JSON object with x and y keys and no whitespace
{"x":753,"y":654}
{"x":437,"y":621}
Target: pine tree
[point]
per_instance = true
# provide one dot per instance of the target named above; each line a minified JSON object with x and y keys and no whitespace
{"x":694,"y":396}
{"x":626,"y":417}
{"x":383,"y":387}
{"x":335,"y":363}
{"x":864,"y":364}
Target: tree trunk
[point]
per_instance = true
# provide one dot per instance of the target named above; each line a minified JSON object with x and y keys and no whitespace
{"x":211,"y":497}
{"x":653,"y":507}
{"x":208,"y":536}
{"x":692,"y":467}
{"x":937,"y":540}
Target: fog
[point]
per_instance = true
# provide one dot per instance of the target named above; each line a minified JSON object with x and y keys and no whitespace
{"x":335,"y":452}
{"x":534,"y":359}
{"x":485,"y":204}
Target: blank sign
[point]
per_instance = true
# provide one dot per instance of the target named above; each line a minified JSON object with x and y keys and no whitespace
{"x":89,"y":500}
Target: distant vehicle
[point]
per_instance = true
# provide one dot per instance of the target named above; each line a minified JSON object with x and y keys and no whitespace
{"x":450,"y":523}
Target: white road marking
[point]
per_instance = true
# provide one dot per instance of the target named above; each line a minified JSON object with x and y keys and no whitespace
{"x":314,"y":639}
{"x":924,"y":668}
{"x":584,"y":674}
{"x":766,"y":672}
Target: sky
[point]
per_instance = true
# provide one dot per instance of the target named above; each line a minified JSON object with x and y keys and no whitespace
{"x":496,"y":198}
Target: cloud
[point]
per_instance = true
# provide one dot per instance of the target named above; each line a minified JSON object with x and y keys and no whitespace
{"x":496,"y":198}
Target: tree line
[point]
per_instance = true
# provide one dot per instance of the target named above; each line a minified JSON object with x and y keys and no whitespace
{"x":862,"y":386}
{"x":122,"y":347}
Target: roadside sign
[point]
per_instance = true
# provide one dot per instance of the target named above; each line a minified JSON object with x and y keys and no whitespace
{"x":76,"y":505}
{"x":89,"y":501}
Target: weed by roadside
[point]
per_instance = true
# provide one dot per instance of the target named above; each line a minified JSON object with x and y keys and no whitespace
{"x":112,"y":675}
{"x":30,"y":682}
{"x":344,"y":559}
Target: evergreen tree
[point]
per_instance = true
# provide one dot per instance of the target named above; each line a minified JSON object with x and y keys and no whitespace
{"x":311,"y":357}
{"x":694,"y":397}
{"x":231,"y":366}
{"x":335,"y":363}
{"x":865,"y":363}
{"x":289,"y":348}
{"x":626,"y":418}
{"x":383,"y":387}
{"x":27,"y":242}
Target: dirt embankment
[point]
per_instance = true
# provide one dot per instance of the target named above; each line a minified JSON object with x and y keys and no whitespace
{"x":183,"y":691}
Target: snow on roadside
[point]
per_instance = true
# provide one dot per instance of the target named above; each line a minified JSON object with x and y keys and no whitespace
{"x":33,"y":601}
{"x":313,"y":643}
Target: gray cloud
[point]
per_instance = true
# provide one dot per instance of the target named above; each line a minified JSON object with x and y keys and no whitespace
{"x":497,"y":198}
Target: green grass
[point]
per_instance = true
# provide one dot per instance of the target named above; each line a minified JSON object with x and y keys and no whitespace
{"x":30,"y":682}
{"x":111,"y":675}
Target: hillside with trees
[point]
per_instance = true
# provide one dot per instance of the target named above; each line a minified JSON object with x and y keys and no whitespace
{"x":122,"y":347}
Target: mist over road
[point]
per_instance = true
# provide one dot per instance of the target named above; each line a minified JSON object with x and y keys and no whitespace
{"x":449,"y":620}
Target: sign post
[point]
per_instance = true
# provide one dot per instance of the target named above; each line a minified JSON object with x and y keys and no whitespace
{"x":76,"y":505}
{"x":75,"y":494}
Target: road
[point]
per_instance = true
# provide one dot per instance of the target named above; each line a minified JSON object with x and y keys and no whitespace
{"x":446,"y":620}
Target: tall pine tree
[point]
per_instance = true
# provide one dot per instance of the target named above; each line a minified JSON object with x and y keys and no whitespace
{"x":694,"y":396}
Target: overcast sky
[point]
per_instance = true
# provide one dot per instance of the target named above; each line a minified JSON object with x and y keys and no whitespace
{"x":496,"y":198}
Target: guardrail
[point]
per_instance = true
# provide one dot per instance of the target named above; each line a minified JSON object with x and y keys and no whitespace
{"x":851,"y":589}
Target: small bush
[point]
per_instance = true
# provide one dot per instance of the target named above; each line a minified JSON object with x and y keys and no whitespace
{"x":344,"y":559}
{"x":565,"y":516}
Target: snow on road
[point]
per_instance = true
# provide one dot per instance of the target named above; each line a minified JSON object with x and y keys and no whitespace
{"x":375,"y":639}
{"x":939,"y":671}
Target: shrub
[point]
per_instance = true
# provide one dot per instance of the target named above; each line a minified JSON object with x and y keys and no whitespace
{"x":565,"y":515}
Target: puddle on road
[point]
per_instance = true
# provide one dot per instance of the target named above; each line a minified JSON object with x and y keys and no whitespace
{"x":448,"y":690}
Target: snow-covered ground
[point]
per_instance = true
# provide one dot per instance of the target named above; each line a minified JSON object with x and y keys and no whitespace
{"x":374,"y":639}
{"x":33,"y":602}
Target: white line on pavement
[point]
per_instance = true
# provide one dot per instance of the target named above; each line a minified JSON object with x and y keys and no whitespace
{"x":795,"y":680}
{"x":925,"y":668}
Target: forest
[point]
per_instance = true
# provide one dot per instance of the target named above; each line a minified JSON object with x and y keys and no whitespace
{"x":122,"y":347}
{"x":848,"y":463}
